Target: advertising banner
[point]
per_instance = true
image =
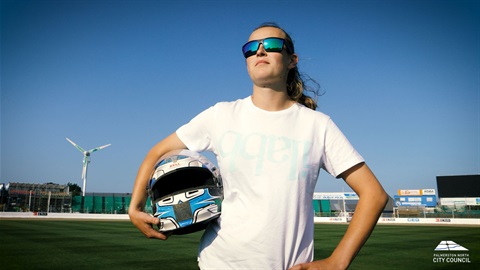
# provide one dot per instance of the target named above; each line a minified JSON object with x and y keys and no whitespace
{"x":335,"y":196}
{"x":409,"y":192}
{"x":416,"y":192}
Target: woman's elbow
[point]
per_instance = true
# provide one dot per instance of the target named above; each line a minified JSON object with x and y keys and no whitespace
{"x":382,"y":198}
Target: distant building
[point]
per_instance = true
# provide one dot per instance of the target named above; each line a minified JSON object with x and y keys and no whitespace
{"x":49,"y":197}
{"x":336,"y":203}
{"x":459,"y":191}
{"x":415,"y":202}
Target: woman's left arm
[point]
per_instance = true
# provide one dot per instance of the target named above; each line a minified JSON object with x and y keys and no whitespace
{"x":373,"y":199}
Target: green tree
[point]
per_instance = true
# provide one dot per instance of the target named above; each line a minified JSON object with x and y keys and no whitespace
{"x":75,"y":189}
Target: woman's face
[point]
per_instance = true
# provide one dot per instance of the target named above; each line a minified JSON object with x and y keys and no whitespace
{"x":269,"y":69}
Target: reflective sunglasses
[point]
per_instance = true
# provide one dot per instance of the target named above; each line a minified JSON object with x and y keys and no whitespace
{"x":270,"y":44}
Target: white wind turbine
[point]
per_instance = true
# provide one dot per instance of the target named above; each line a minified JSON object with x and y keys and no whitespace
{"x":86,"y":160}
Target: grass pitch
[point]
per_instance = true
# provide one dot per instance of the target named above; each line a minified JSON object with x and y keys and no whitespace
{"x":71,"y":244}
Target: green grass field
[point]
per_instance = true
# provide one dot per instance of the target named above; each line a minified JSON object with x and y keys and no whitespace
{"x":69,"y":244}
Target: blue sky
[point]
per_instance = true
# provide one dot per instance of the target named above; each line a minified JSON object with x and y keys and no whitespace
{"x":400,"y":78}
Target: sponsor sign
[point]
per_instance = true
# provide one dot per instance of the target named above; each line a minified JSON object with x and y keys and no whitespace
{"x":335,"y":196}
{"x":429,"y":191}
{"x":409,"y":192}
{"x":351,"y":196}
{"x":416,"y":192}
{"x":443,"y":220}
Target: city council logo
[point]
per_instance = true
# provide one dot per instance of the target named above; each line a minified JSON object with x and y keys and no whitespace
{"x":451,"y":253}
{"x":449,"y":246}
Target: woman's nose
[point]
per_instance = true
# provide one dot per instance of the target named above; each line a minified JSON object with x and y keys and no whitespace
{"x":261,"y":50}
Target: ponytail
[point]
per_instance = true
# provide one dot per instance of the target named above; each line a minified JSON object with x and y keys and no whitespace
{"x":296,"y":86}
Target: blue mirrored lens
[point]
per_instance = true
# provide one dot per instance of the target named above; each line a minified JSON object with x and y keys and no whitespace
{"x":273,"y":44}
{"x":250,"y":48}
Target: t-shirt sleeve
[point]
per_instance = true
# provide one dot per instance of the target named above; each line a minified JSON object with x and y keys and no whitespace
{"x":339,"y":152}
{"x":196,"y":133}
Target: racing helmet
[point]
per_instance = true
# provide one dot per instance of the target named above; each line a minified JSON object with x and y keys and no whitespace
{"x":186,"y":192}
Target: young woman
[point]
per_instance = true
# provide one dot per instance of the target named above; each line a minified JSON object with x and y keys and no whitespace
{"x":270,"y":148}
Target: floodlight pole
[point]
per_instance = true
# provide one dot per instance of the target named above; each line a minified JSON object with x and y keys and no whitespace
{"x":48,"y":202}
{"x":30,"y":202}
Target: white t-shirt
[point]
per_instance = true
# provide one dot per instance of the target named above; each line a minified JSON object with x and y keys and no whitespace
{"x":269,"y":162}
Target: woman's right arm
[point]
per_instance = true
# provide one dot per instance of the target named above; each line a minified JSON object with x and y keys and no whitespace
{"x":139,"y":218}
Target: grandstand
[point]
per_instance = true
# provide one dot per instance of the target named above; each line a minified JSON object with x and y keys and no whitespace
{"x":459,"y":191}
{"x":23,"y":197}
{"x":55,"y":198}
{"x":334,"y":204}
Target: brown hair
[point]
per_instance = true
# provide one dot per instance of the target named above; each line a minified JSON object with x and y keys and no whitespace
{"x":296,"y":82}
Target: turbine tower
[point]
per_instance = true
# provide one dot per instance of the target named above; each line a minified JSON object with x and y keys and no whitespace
{"x":86,"y":160}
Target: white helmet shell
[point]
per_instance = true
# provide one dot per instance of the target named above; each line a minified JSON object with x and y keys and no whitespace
{"x":186,"y":192}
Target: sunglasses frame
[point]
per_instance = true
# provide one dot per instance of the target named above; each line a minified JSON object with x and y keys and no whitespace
{"x":249,"y":53}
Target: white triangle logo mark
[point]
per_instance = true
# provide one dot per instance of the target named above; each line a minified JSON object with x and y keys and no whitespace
{"x":449,"y":246}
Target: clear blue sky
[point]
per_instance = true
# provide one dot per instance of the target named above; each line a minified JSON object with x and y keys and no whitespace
{"x":400,"y":78}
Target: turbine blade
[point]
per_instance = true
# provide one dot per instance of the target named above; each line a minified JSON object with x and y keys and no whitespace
{"x":98,"y":148}
{"x":76,"y":146}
